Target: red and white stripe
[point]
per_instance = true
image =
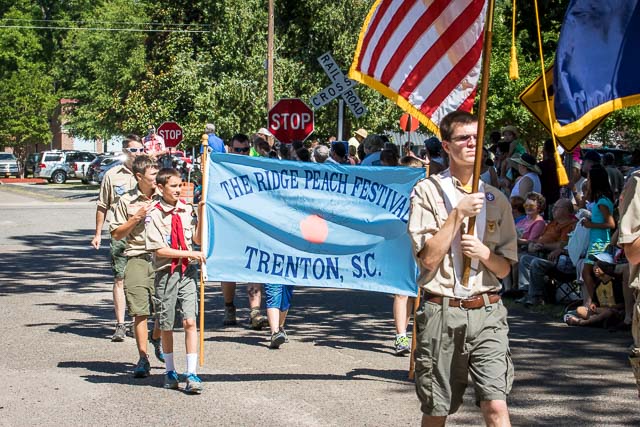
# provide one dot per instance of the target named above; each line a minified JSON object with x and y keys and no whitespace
{"x":425,"y":51}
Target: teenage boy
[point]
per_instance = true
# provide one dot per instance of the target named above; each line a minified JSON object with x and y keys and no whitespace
{"x":116,"y":182}
{"x":129,"y":222}
{"x":461,"y":327}
{"x":171,"y":231}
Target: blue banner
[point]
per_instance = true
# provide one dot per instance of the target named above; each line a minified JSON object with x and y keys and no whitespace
{"x":308,"y":224}
{"x":596,"y":62}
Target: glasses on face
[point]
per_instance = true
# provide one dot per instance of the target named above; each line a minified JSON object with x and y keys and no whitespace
{"x":530,"y":205}
{"x":135,"y":150}
{"x":464,"y":138}
{"x":241,"y":149}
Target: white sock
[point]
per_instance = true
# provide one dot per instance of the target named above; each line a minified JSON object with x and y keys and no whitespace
{"x":192,"y":362}
{"x":168,"y":361}
{"x":404,"y":334}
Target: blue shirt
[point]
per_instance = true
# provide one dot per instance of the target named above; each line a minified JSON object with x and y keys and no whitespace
{"x":372,"y":159}
{"x":216,"y":144}
{"x":600,"y":234}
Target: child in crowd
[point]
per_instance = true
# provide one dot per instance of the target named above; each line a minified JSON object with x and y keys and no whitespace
{"x":171,"y":231}
{"x":278,"y":303}
{"x":601,"y":225}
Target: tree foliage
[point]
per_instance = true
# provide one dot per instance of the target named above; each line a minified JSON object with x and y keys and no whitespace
{"x":125,"y":80}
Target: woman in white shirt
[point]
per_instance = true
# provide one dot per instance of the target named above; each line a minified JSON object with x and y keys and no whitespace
{"x":529,"y":176}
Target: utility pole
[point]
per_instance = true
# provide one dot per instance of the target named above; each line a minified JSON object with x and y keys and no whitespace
{"x":270,"y":58}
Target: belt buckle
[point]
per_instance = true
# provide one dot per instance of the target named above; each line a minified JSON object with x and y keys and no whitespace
{"x":462,"y":307}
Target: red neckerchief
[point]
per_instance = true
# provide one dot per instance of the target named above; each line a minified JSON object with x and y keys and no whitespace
{"x":177,"y":239}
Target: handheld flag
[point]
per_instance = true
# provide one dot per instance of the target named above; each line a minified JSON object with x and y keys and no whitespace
{"x":422,"y":54}
{"x":596,"y":62}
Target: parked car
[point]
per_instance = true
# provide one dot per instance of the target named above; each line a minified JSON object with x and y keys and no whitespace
{"x":9,"y":165}
{"x":30,"y":164}
{"x":102,"y":161}
{"x":79,"y":162}
{"x":106,"y":165}
{"x":53,"y":167}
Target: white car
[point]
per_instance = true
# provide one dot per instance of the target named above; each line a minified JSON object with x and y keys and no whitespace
{"x":9,"y":165}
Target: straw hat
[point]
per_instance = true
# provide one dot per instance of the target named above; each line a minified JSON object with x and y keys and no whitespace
{"x":361,"y":132}
{"x":528,"y":161}
{"x":511,"y":129}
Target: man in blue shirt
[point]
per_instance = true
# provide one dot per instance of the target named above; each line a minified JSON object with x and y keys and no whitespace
{"x":216,"y":144}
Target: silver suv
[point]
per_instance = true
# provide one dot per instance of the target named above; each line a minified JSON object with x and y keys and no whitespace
{"x":9,"y":165}
{"x":53,"y":166}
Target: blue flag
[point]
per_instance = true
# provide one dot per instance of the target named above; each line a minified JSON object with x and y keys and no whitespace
{"x":596,"y":62}
{"x":308,"y":224}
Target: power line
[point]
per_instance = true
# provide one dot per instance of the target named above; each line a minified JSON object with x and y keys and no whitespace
{"x":105,"y":22}
{"x":129,"y":30}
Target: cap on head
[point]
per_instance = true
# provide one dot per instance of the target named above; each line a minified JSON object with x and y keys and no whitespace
{"x":591,"y":155}
{"x":264,"y":131}
{"x":362,"y":133}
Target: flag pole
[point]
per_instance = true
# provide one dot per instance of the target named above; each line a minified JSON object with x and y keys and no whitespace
{"x":203,"y":167}
{"x":482,"y":112}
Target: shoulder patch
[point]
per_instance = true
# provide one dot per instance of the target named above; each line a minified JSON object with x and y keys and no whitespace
{"x":490,"y":196}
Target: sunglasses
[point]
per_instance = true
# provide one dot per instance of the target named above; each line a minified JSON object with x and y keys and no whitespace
{"x":135,"y":150}
{"x":241,"y":149}
{"x":463,"y":138}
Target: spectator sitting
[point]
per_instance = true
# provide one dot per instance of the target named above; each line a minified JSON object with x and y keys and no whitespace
{"x":609,"y":304}
{"x":544,"y":253}
{"x":533,"y":225}
{"x":529,"y":176}
{"x":517,"y":209}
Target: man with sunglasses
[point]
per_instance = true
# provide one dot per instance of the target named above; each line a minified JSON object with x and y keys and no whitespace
{"x":462,"y":324}
{"x":240,"y":145}
{"x":116,"y":182}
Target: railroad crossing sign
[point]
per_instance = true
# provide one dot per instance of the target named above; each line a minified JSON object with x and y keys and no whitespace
{"x":290,"y":120}
{"x":341,"y":86}
{"x":172,"y":134}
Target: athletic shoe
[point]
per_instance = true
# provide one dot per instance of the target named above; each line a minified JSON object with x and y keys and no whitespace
{"x":286,"y":337}
{"x":258,"y":321}
{"x":194,"y":384}
{"x":143,"y":368}
{"x":171,"y":380}
{"x":277,"y":339}
{"x":119,"y":334}
{"x":229,"y":316}
{"x":157,"y":346}
{"x":403,"y":346}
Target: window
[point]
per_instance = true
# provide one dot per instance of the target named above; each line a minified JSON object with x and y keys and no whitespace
{"x":7,"y":156}
{"x":53,"y":157}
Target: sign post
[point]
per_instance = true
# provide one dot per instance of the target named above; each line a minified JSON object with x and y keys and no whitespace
{"x":172,"y":134}
{"x":290,"y":120}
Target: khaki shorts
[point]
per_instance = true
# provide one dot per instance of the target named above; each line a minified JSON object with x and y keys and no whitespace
{"x":460,"y":342}
{"x":118,"y":260}
{"x":138,"y":286}
{"x":176,"y":292}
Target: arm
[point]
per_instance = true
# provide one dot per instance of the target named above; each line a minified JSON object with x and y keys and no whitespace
{"x":526,"y":186}
{"x":101,"y":213}
{"x":124,"y":229}
{"x":437,"y":246}
{"x":177,"y":253}
{"x":609,"y":222}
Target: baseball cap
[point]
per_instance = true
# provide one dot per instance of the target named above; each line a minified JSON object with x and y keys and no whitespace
{"x":264,"y":131}
{"x":591,"y":155}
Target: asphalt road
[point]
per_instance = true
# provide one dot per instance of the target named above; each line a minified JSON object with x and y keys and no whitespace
{"x":61,"y":369}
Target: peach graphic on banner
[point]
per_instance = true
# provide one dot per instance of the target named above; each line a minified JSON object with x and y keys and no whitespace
{"x":314,"y":229}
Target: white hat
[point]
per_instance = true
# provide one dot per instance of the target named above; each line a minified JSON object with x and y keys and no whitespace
{"x":264,"y":131}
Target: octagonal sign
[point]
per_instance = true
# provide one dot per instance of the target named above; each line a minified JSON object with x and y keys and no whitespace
{"x":290,"y":120}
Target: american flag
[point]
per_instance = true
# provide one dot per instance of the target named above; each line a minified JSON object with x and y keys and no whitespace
{"x":423,"y":54}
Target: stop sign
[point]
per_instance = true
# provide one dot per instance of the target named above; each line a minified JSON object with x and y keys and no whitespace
{"x":290,"y":120}
{"x":171,"y":132}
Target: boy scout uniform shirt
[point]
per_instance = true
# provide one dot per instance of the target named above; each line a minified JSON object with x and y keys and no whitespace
{"x":159,"y":230}
{"x":629,"y":229}
{"x":425,"y":219}
{"x":116,"y":182}
{"x":127,"y":207}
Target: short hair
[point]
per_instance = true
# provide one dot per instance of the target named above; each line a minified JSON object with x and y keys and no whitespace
{"x":210,"y":128}
{"x":131,"y":138}
{"x":373,"y":143}
{"x":239,"y":137}
{"x":411,"y":162}
{"x":517,"y":203}
{"x":164,"y":174}
{"x":538,"y":198}
{"x":262,"y":144}
{"x":284,"y":151}
{"x":339,"y":148}
{"x":142,"y":163}
{"x":389,"y":157}
{"x":567,"y":202}
{"x":608,"y":159}
{"x":453,"y":120}
{"x":303,"y":154}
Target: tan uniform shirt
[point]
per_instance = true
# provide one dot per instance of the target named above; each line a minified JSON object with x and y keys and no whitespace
{"x":159,"y":230}
{"x":629,"y":229}
{"x":116,"y":182}
{"x":127,"y":206}
{"x":425,"y":220}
